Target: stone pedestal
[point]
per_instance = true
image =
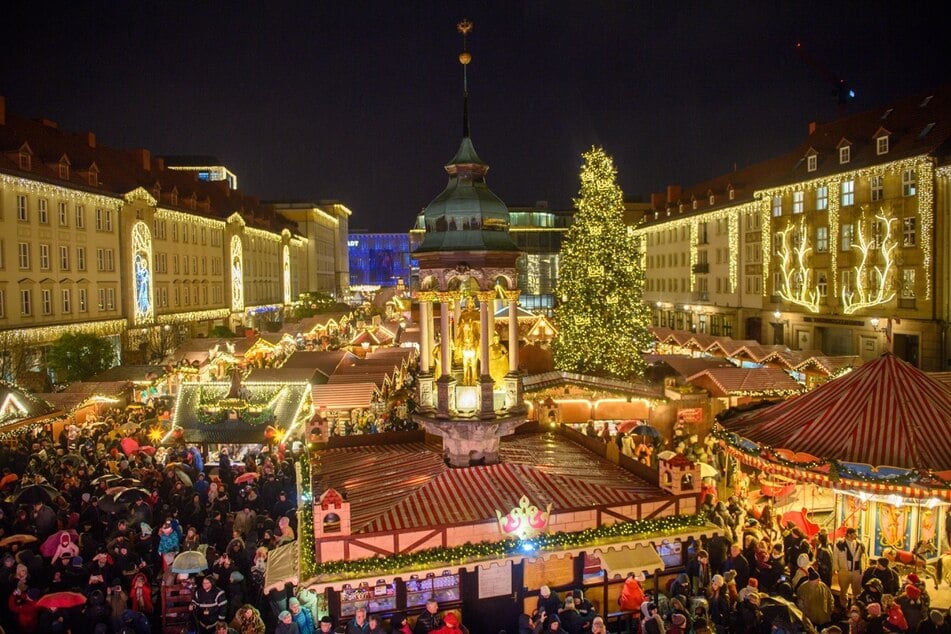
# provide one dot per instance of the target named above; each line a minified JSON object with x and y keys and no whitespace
{"x":445,"y":396}
{"x":427,"y":392}
{"x":469,"y":442}
{"x":486,"y":397}
{"x":513,"y":392}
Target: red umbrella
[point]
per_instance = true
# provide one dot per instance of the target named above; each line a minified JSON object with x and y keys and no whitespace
{"x":48,"y":547}
{"x":129,"y":445}
{"x":626,"y":426}
{"x":250,"y":476}
{"x":62,"y":600}
{"x":148,"y":450}
{"x":10,"y":478}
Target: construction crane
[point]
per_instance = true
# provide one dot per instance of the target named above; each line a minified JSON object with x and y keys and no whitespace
{"x":843,"y":94}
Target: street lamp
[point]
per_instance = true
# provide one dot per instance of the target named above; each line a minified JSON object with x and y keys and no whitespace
{"x":777,"y":314}
{"x":874,"y":322}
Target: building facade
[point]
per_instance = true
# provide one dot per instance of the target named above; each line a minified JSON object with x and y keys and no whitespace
{"x":325,"y":225}
{"x":830,"y":247}
{"x":107,"y":241}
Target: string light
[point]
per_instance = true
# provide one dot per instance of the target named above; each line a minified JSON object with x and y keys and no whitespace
{"x":796,"y":274}
{"x":45,"y":334}
{"x":194,"y":316}
{"x":882,"y":292}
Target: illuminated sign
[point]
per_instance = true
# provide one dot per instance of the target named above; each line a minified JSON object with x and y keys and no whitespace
{"x":525,"y":520}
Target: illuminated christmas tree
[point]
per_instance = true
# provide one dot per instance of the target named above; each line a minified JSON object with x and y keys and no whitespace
{"x":602,"y":319}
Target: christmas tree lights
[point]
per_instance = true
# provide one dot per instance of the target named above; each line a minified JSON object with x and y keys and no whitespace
{"x":602,"y":319}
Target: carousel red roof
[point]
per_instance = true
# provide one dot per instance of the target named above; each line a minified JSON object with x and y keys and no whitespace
{"x":408,"y":486}
{"x":884,"y":413}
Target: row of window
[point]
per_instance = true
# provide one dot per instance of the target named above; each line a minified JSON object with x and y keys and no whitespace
{"x":719,"y":325}
{"x":909,"y":186}
{"x":160,"y":230}
{"x":103,"y":216}
{"x":107,"y":301}
{"x":105,"y":258}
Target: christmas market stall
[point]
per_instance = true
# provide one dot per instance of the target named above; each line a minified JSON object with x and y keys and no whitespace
{"x":876,"y":438}
{"x":19,"y":409}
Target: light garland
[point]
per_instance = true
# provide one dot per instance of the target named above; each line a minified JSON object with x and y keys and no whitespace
{"x":483,"y":551}
{"x":882,"y":293}
{"x":163,"y":213}
{"x":46,"y":334}
{"x":794,"y":268}
{"x":54,"y":191}
{"x":194,"y":316}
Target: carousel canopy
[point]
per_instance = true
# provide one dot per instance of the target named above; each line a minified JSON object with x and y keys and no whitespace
{"x":885,"y":413}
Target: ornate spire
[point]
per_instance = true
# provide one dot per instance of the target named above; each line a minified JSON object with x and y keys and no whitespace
{"x":465,"y":57}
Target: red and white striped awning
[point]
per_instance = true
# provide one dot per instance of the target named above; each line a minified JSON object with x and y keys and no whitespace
{"x":409,"y":486}
{"x":884,"y":413}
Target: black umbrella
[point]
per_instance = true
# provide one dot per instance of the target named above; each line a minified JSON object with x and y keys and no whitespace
{"x":74,"y":459}
{"x":130,"y":495}
{"x":108,"y":478}
{"x":774,"y":608}
{"x":109,"y":504}
{"x":32,"y":493}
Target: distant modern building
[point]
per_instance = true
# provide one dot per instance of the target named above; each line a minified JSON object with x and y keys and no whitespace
{"x":325,"y":224}
{"x":206,"y":168}
{"x":379,"y":259}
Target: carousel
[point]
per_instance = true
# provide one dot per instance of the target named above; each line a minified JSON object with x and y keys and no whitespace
{"x":875,"y":440}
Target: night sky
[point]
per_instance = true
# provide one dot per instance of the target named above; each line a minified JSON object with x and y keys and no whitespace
{"x":361,"y":101}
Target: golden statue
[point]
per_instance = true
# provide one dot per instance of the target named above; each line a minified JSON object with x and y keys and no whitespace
{"x":498,"y":361}
{"x":466,"y":346}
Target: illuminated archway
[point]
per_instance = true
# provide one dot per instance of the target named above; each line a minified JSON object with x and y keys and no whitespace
{"x":287,"y":275}
{"x":142,"y":291}
{"x":237,"y":274}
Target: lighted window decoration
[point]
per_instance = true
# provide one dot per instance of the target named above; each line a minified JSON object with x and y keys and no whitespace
{"x":142,"y":273}
{"x":793,"y":251}
{"x":237,"y":274}
{"x":287,"y":275}
{"x":874,"y":272}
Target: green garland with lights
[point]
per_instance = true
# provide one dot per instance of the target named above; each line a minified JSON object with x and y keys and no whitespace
{"x":467,"y":553}
{"x":305,"y":518}
{"x":837,"y":469}
{"x":602,"y":319}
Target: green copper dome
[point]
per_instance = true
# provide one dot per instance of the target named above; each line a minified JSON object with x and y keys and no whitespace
{"x":466,"y":216}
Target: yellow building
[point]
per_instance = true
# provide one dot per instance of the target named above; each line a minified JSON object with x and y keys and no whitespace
{"x":325,"y":225}
{"x":95,"y":239}
{"x":833,"y":246}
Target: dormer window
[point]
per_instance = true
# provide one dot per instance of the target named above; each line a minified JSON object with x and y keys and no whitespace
{"x":731,"y":193}
{"x":680,"y":208}
{"x":173,"y":196}
{"x":92,"y":175}
{"x":881,"y":145}
{"x":812,"y":162}
{"x":695,"y":203}
{"x":64,"y":169}
{"x":845,"y":154}
{"x":26,"y":161}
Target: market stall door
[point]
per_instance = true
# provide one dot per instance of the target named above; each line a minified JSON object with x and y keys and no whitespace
{"x":493,"y":614}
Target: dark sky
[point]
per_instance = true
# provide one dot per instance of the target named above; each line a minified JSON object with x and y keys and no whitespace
{"x":361,"y":101}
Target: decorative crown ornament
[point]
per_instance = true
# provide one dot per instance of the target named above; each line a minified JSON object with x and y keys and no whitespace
{"x":524,"y":520}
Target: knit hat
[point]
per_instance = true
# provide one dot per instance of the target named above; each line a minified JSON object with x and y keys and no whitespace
{"x":936,"y":617}
{"x":284,"y":615}
{"x":717,"y":580}
{"x":874,"y":609}
{"x":678,"y":619}
{"x":753,"y":582}
{"x":729,"y":576}
{"x":913,"y":591}
{"x":813,"y":575}
{"x":146,"y":529}
{"x":913,"y":578}
{"x":803,"y":560}
{"x":451,"y":619}
{"x":292,"y":602}
{"x":76,"y":561}
{"x":874,"y":581}
{"x":327,"y":619}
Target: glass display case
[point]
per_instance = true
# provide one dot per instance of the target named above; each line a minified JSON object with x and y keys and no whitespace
{"x":444,"y":588}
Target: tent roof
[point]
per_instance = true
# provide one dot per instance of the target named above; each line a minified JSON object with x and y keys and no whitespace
{"x":884,"y":413}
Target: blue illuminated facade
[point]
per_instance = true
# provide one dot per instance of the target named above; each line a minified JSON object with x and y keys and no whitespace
{"x":379,"y":259}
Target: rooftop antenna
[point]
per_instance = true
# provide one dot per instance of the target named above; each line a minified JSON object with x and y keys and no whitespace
{"x":465,"y":27}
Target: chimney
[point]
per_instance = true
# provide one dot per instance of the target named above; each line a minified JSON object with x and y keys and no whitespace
{"x":159,"y":164}
{"x":48,"y":123}
{"x":91,"y":139}
{"x":812,"y":127}
{"x":673,"y":193}
{"x":145,"y":159}
{"x":3,"y":110}
{"x":657,"y":200}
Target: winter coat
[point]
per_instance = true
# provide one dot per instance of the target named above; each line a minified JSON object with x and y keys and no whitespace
{"x":141,"y":594}
{"x":169,"y":542}
{"x":27,"y":612}
{"x":304,"y":620}
{"x":252,"y":625}
{"x":632,"y":595}
{"x":816,"y":602}
{"x":913,"y":610}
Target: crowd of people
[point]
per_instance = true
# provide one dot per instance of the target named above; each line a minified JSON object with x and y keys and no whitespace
{"x":93,"y":520}
{"x":758,"y":577}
